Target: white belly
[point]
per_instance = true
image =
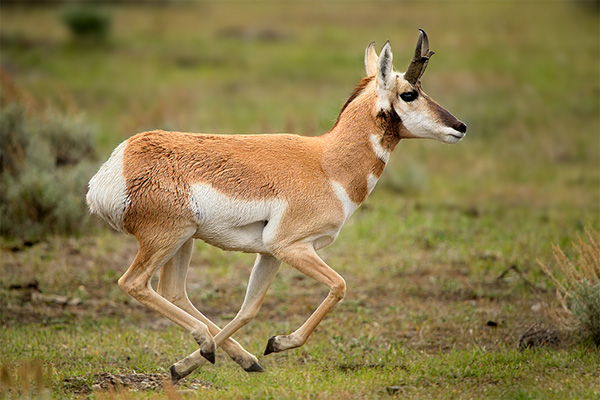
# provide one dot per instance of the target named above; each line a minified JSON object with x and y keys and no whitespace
{"x":233,"y":224}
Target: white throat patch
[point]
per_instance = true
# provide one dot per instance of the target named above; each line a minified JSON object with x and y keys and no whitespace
{"x":382,"y":153}
{"x":371,"y":182}
{"x":347,"y":203}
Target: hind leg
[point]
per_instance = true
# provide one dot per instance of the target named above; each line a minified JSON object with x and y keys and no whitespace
{"x":262,"y":275}
{"x":152,"y":255}
{"x":172,"y":284}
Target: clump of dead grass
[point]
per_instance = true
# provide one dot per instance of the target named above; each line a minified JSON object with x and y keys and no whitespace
{"x":25,"y":381}
{"x":578,"y":285}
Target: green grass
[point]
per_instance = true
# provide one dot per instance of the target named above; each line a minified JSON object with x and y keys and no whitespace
{"x":421,"y":258}
{"x":313,"y":372}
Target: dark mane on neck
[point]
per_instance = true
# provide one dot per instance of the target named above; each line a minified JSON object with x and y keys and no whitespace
{"x":357,"y":91}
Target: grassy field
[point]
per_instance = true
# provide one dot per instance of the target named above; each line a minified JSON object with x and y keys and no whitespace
{"x":441,"y":262}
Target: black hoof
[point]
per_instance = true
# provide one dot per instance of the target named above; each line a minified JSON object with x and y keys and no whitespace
{"x":254,"y":368}
{"x":270,"y":349}
{"x":175,"y":377}
{"x":209,"y":356}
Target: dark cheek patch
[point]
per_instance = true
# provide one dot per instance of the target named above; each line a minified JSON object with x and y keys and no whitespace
{"x":392,"y":126}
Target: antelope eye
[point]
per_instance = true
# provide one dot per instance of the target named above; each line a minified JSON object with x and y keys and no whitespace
{"x":409,"y":96}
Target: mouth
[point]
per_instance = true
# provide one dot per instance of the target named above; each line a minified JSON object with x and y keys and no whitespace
{"x":454,"y":137}
{"x":457,"y":132}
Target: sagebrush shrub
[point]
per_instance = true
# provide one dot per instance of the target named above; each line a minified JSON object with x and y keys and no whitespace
{"x":86,"y":21}
{"x":578,"y":283}
{"x":45,"y":163}
{"x":12,"y":139}
{"x":585,"y":305}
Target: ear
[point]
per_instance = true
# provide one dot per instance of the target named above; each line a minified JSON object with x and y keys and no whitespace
{"x":385,"y":76}
{"x":371,"y":59}
{"x":384,"y":68}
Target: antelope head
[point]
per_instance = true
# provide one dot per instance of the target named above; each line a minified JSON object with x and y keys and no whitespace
{"x":402,"y":95}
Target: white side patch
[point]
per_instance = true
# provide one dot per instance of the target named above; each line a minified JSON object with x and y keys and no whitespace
{"x":235,"y":224}
{"x":107,"y":193}
{"x":342,"y":195}
{"x":382,"y":153}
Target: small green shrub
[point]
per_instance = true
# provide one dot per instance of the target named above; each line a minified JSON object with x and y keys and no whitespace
{"x":578,"y":284}
{"x":12,"y":139}
{"x":45,"y":164}
{"x":86,"y":21}
{"x":585,"y":305}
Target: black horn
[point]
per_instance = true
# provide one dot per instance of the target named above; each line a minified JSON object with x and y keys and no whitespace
{"x":421,"y":58}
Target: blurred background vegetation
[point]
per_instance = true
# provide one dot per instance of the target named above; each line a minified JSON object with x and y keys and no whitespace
{"x":80,"y":77}
{"x":77,"y":78}
{"x":523,"y":76}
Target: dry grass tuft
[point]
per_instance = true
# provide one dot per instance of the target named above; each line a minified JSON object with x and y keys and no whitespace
{"x":25,"y":381}
{"x":578,"y":285}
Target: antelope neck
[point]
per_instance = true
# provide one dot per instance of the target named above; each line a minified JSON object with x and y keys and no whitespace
{"x":355,"y":153}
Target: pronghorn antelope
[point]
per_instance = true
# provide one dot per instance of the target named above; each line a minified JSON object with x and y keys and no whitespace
{"x":281,"y":196}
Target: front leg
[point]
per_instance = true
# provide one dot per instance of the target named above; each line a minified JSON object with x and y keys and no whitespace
{"x":304,"y":258}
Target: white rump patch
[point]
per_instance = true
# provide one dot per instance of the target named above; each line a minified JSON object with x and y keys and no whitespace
{"x":107,"y":191}
{"x":382,"y":153}
{"x":235,"y":224}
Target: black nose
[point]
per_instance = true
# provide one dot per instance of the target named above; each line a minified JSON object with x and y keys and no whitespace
{"x":461,"y":128}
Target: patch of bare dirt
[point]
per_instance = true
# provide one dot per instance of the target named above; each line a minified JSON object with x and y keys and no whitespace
{"x":105,"y":381}
{"x":536,"y":336}
{"x":429,"y":308}
{"x":64,"y":279}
